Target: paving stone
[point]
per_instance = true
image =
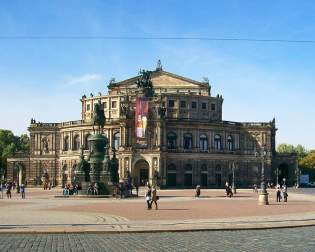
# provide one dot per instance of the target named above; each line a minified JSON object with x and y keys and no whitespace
{"x":292,"y":239}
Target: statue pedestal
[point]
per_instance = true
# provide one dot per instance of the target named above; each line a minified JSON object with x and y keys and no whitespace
{"x":84,"y":188}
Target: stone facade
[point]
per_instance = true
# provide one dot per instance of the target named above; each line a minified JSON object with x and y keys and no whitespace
{"x":189,"y":144}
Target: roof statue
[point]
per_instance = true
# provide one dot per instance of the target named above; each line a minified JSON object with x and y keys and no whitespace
{"x":112,"y":83}
{"x":159,"y":66}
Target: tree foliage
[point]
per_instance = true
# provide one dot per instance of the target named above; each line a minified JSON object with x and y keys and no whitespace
{"x":10,"y":144}
{"x":306,"y":158}
{"x":309,"y":160}
{"x":300,"y":150}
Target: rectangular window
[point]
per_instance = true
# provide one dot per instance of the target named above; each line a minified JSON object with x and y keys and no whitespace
{"x":104,"y":105}
{"x":204,"y":105}
{"x":171,"y":103}
{"x":88,"y":107}
{"x":183,"y":104}
{"x":212,"y":106}
{"x":194,"y":105}
{"x":114,"y":104}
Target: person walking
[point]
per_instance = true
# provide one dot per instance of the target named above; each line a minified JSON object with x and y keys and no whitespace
{"x":285,"y":193}
{"x":148,"y":195}
{"x":155,"y":198}
{"x":278,"y":193}
{"x":22,"y":190}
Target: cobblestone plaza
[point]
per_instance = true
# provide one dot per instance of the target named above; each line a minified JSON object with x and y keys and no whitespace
{"x":293,"y":239}
{"x":213,"y":222}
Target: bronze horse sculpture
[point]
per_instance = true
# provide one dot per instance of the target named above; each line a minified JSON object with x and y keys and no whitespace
{"x":98,"y":118}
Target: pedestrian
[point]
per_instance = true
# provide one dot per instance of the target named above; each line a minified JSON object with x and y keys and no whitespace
{"x":9,"y":191}
{"x":155,"y":198}
{"x":137,"y":189}
{"x":285,"y":193}
{"x":197,"y":191}
{"x":22,"y":191}
{"x":148,"y":195}
{"x":278,"y":193}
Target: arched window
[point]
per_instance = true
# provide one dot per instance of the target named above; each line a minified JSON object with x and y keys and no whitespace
{"x":230,"y":142}
{"x":87,"y":144}
{"x":187,"y":141}
{"x":171,"y":140}
{"x":116,"y":140}
{"x":76,"y":142}
{"x":66,"y":143}
{"x":203,"y":142}
{"x":217,"y":142}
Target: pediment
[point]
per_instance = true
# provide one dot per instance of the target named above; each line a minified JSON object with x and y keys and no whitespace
{"x":162,"y":79}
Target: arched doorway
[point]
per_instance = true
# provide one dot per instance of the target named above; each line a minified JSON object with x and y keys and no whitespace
{"x":141,"y":175}
{"x":283,"y":173}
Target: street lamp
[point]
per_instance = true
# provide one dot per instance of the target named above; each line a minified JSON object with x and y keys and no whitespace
{"x":233,"y":177}
{"x":263,"y":194}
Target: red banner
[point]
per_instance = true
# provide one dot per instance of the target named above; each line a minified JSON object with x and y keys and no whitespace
{"x":141,"y":117}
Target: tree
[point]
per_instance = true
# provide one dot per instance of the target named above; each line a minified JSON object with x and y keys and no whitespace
{"x":285,"y":148}
{"x":289,"y":148}
{"x":10,"y":144}
{"x":309,"y":160}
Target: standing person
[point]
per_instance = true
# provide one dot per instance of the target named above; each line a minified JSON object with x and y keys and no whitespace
{"x":197,"y":191}
{"x":22,"y":190}
{"x":148,"y":195}
{"x":278,"y":193}
{"x":155,"y":198}
{"x":285,"y":193}
{"x":137,"y":189}
{"x":9,"y":191}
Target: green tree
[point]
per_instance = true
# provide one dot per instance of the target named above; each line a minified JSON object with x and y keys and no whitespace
{"x":309,"y":160}
{"x":289,"y":148}
{"x":285,"y":148}
{"x":10,"y":144}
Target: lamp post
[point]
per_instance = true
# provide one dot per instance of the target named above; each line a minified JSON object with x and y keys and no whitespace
{"x":233,"y":177}
{"x":263,"y":194}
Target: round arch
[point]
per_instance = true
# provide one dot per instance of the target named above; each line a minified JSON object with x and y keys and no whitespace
{"x":283,"y":173}
{"x":141,"y":174}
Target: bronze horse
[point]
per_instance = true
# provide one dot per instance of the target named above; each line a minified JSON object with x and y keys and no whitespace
{"x":98,"y":118}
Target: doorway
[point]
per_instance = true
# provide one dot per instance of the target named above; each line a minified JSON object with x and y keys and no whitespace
{"x":141,"y":172}
{"x":283,"y":173}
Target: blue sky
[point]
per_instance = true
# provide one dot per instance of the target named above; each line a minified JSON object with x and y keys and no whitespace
{"x":45,"y":78}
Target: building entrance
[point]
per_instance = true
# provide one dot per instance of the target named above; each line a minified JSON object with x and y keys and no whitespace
{"x":141,"y":172}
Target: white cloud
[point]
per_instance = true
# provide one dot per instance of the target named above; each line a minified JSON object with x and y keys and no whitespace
{"x":83,"y":79}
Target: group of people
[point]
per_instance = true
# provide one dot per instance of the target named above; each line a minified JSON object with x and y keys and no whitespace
{"x":70,"y":189}
{"x":124,"y":189}
{"x":9,"y":186}
{"x":151,"y":197}
{"x":228,"y":190}
{"x":282,"y":193}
